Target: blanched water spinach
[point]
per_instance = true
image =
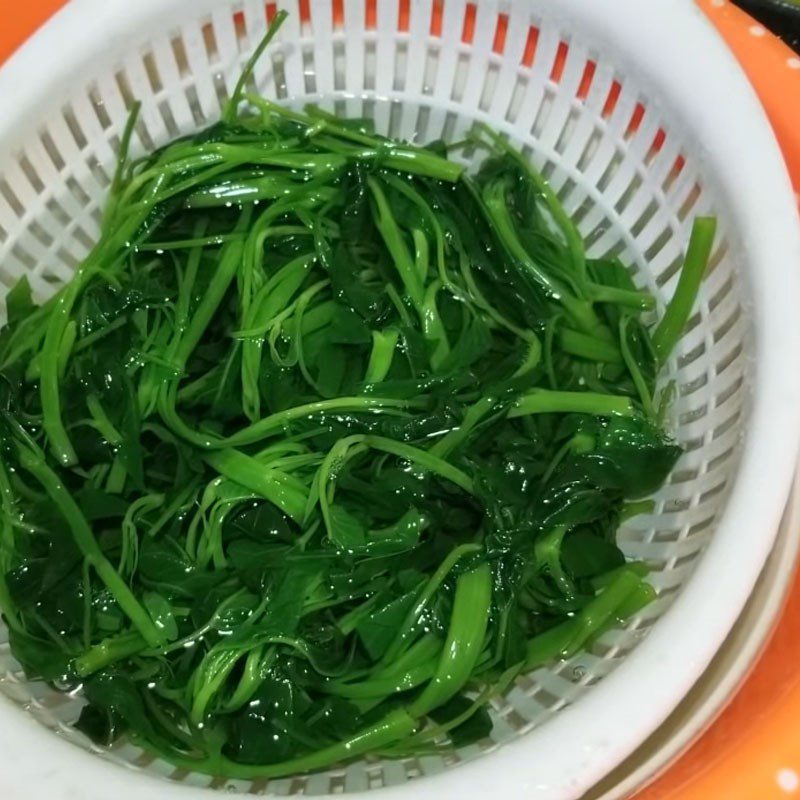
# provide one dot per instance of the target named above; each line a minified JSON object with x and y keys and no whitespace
{"x":323,"y":444}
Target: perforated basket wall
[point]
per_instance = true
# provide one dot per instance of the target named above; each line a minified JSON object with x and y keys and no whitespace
{"x":423,"y":70}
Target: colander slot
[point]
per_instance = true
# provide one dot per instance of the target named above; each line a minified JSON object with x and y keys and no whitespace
{"x":665,"y":534}
{"x":543,"y":112}
{"x":651,"y":209}
{"x":58,"y":212}
{"x":557,"y":70}
{"x":460,"y":77}
{"x":468,"y":28}
{"x":369,"y":66}
{"x":726,"y":394}
{"x":489,"y":87}
{"x":721,"y":293}
{"x":706,"y":497}
{"x":100,"y":175}
{"x":636,"y":121}
{"x":582,"y":209}
{"x":51,"y":150}
{"x":696,"y":352}
{"x":612,"y":98}
{"x":31,"y":174}
{"x":151,"y":70}
{"x":181,"y":60}
{"x":66,"y":258}
{"x":594,"y":235}
{"x":449,"y":125}
{"x":309,"y":71}
{"x":656,"y":146}
{"x":682,"y":476}
{"x":374,"y":779}
{"x":99,"y":108}
{"x":501,"y":731}
{"x":615,"y":250}
{"x":722,"y":330}
{"x":685,"y":562}
{"x":590,"y":149}
{"x":194,"y":105}
{"x":544,"y":696}
{"x":400,"y":67}
{"x":500,"y":34}
{"x":692,"y":323}
{"x":221,"y":90}
{"x":515,"y":101}
{"x":693,"y":415}
{"x":692,"y":444}
{"x":339,"y":106}
{"x":547,"y":168}
{"x":250,"y":84}
{"x":717,"y":256}
{"x":531,"y":44}
{"x":719,"y":460}
{"x":339,"y":66}
{"x":525,"y":704}
{"x":436,"y":18}
{"x":431,"y":69}
{"x":74,"y":127}
{"x":587,"y":78}
{"x":689,"y":388}
{"x":77,"y":191}
{"x":572,"y":673}
{"x":689,"y":203}
{"x":730,"y":358}
{"x":629,"y":193}
{"x":23,"y":256}
{"x":610,"y":171}
{"x":395,"y":118}
{"x":210,"y":42}
{"x":82,"y":238}
{"x":567,"y":131}
{"x":40,"y":234}
{"x":279,"y":74}
{"x":128,"y":97}
{"x":413,"y":768}
{"x":431,"y":765}
{"x":516,"y":718}
{"x":661,"y":241}
{"x":565,"y":191}
{"x":259,"y":786}
{"x":673,"y":175}
{"x":165,"y":110}
{"x":296,"y":786}
{"x":403,"y":16}
{"x":421,"y":125}
{"x":240,"y":31}
{"x":369,"y":108}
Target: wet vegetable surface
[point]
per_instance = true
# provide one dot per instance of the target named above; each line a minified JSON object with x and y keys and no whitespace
{"x":325,"y":442}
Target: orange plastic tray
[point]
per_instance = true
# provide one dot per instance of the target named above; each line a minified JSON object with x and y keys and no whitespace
{"x":752,"y":752}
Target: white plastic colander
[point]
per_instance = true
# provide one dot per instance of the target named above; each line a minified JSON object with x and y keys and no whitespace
{"x":641,"y":120}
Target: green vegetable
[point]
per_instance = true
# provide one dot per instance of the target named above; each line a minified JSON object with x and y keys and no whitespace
{"x":323,"y":444}
{"x":668,"y":331}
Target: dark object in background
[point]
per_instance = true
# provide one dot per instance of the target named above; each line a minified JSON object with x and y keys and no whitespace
{"x":782,"y":17}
